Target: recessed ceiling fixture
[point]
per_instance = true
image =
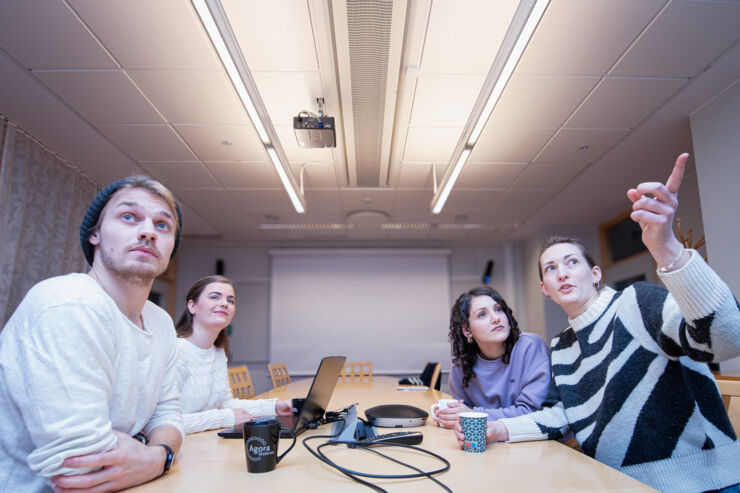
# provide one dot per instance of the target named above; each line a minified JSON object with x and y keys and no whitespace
{"x":522,"y":26}
{"x":216,"y":24}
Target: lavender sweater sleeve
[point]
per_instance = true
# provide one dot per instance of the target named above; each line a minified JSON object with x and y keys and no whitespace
{"x":504,"y":391}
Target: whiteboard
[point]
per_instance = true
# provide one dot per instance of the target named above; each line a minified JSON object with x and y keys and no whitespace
{"x":387,"y":306}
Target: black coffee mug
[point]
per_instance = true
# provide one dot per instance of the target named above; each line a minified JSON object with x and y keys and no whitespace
{"x":261,"y":444}
{"x":297,"y":405}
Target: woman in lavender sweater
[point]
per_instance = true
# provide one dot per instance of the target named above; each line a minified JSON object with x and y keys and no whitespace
{"x":496,"y":368}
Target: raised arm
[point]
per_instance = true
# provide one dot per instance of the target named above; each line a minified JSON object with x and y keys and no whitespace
{"x":653,"y":206}
{"x":701,"y":318}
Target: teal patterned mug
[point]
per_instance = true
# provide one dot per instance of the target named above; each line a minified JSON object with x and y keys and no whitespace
{"x":474,"y":428}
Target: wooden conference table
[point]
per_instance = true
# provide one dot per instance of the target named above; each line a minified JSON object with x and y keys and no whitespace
{"x":207,"y":462}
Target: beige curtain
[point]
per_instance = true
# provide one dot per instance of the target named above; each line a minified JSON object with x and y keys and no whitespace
{"x":42,"y":201}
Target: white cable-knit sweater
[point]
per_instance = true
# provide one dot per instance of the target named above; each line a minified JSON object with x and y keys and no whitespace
{"x":207,"y":402}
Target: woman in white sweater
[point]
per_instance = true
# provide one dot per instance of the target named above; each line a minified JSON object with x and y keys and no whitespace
{"x":207,"y":402}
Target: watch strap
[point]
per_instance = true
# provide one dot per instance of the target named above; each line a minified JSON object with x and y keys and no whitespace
{"x":168,"y":459}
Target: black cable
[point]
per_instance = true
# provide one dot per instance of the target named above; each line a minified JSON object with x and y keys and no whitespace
{"x":318,"y":453}
{"x":410,"y":466}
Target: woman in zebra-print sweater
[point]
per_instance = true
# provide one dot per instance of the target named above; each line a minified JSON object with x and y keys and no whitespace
{"x":630,"y":375}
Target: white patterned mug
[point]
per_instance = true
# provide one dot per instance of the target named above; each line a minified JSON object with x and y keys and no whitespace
{"x":474,"y":426}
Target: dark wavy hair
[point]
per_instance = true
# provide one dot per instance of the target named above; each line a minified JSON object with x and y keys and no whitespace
{"x":464,"y":353}
{"x":184,"y":326}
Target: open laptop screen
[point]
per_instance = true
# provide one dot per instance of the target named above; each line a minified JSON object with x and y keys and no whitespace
{"x":316,"y":403}
{"x":320,"y":392}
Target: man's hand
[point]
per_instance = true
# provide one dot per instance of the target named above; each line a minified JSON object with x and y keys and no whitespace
{"x":447,"y":417}
{"x":495,"y":432}
{"x":129,"y":464}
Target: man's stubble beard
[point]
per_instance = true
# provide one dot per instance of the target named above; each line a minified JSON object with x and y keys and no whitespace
{"x":130,"y":274}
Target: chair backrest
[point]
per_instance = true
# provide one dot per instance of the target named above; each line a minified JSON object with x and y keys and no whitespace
{"x":279,"y":375}
{"x":357,"y":372}
{"x":430,"y":375}
{"x":730,"y":390}
{"x":241,"y":382}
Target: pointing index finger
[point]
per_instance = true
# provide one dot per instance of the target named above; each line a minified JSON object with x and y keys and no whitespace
{"x":674,"y":181}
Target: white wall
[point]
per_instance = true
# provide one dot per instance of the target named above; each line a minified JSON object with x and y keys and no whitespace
{"x":715,"y":131}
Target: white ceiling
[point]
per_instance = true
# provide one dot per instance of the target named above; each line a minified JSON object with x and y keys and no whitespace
{"x":121,"y":86}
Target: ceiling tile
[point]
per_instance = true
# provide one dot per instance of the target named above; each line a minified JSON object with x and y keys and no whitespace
{"x":585,"y":37}
{"x":262,"y":198}
{"x":193,"y":224}
{"x":215,"y":206}
{"x":274,"y":35}
{"x":181,"y":175}
{"x":546,"y":176}
{"x":466,"y":199}
{"x":509,"y":145}
{"x":312,"y":215}
{"x":244,"y":175}
{"x":564,"y":147}
{"x":192,"y":96}
{"x":357,"y":199}
{"x":211,"y":142}
{"x":540,"y":101}
{"x":678,"y":43}
{"x":498,"y":176}
{"x":518,"y":205}
{"x":101,"y":96}
{"x":285,"y":94}
{"x":316,"y":175}
{"x":148,"y":142}
{"x":60,"y":41}
{"x":142,"y":34}
{"x":430,"y":144}
{"x":416,"y":175}
{"x":413,"y":206}
{"x":620,"y":102}
{"x":455,"y":35}
{"x":322,"y":199}
{"x":445,"y":100}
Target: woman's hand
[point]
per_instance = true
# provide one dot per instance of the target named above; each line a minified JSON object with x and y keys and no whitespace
{"x":495,"y":432}
{"x":283,"y":408}
{"x":448,"y":416}
{"x":241,"y":416}
{"x":653,"y":207}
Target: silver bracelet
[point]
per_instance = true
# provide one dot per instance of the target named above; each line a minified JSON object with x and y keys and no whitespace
{"x":669,"y":267}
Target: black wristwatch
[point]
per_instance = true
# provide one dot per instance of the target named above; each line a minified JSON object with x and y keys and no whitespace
{"x":168,"y":460}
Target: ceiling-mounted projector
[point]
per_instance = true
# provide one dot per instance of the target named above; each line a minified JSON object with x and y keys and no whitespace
{"x":314,"y":131}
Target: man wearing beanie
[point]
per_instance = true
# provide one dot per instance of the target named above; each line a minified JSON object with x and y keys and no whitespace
{"x":86,"y":362}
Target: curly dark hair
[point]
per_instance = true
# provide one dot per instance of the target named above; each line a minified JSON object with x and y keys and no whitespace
{"x":464,"y":353}
{"x":184,"y":326}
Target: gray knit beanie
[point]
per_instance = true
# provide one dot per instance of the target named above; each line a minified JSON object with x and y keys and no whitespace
{"x":93,"y":213}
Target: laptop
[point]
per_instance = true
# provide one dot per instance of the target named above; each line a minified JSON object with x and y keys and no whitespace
{"x":316,"y":403}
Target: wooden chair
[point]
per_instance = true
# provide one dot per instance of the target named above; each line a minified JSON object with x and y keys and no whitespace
{"x":357,"y":372}
{"x":241,"y":382}
{"x":279,"y":374}
{"x":430,"y":375}
{"x":730,"y":390}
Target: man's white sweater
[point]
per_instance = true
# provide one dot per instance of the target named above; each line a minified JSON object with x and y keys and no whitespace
{"x":72,"y":369}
